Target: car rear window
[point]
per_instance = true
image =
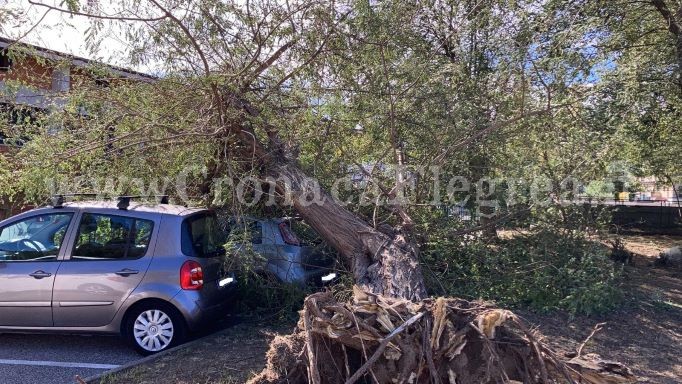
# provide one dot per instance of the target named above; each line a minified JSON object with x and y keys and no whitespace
{"x":202,"y":236}
{"x":245,"y":230}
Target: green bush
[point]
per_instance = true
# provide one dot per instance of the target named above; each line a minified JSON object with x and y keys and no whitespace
{"x":262,"y":296}
{"x":543,"y":271}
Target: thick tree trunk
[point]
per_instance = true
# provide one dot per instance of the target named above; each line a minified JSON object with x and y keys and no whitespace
{"x":384,"y":264}
{"x":381,"y":263}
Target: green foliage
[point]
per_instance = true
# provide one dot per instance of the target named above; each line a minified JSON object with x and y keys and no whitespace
{"x":520,"y":91}
{"x":565,"y":219}
{"x":262,"y":296}
{"x":600,"y":189}
{"x":239,"y":255}
{"x":541,"y":270}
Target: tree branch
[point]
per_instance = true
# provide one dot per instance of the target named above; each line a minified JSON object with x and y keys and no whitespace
{"x":189,"y":35}
{"x":675,"y":29}
{"x":266,"y":64}
{"x":663,"y":9}
{"x":94,"y":16}
{"x":490,"y":224}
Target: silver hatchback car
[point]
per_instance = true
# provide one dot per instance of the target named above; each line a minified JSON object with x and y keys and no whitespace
{"x":150,"y":272}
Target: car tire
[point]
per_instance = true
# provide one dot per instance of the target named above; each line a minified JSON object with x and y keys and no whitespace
{"x":154,"y":327}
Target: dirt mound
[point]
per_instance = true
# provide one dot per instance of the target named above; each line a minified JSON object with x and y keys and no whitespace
{"x":446,"y":340}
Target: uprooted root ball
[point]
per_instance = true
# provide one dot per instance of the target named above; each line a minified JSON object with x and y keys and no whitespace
{"x":376,"y":339}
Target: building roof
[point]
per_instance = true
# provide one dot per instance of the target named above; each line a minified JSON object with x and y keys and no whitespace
{"x":77,"y":60}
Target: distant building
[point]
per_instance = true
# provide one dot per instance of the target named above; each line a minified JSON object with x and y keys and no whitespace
{"x":37,"y":80}
{"x":653,"y":188}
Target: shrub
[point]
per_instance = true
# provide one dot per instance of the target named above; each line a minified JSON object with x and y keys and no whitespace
{"x":262,"y":296}
{"x":544,"y":271}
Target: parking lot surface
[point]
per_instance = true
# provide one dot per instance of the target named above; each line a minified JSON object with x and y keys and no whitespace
{"x":57,"y":359}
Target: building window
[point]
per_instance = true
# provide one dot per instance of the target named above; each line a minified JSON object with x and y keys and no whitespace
{"x":61,"y":79}
{"x":102,"y":83}
{"x":5,"y":61}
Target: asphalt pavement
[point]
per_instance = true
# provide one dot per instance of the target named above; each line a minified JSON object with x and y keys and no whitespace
{"x":57,"y":359}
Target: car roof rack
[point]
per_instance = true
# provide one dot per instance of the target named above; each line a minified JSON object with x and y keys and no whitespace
{"x":123,"y":202}
{"x":57,"y":201}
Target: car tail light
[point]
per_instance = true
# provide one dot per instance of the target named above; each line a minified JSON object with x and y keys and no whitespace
{"x":287,"y":235}
{"x":191,"y":276}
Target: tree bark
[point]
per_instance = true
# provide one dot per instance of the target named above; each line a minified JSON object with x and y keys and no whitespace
{"x":386,"y":264}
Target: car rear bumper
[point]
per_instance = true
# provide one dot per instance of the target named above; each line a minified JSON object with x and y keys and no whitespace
{"x":210,"y":303}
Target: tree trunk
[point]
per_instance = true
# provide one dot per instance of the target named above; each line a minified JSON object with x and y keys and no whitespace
{"x":385,"y":264}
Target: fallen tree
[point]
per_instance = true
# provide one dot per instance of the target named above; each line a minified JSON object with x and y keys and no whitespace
{"x":376,"y":339}
{"x":242,"y":91}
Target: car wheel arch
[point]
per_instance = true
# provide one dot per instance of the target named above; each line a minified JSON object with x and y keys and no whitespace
{"x":149,"y":301}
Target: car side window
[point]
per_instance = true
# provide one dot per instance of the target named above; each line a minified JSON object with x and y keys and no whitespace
{"x":141,"y":237}
{"x":37,"y":238}
{"x":111,"y":237}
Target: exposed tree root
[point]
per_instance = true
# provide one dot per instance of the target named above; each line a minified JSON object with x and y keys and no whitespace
{"x":381,"y":340}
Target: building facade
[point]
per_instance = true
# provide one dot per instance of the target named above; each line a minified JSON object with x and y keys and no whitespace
{"x":36,"y":81}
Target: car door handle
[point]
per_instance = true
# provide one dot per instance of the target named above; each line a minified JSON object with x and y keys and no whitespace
{"x":127,"y":272}
{"x":40,"y":274}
